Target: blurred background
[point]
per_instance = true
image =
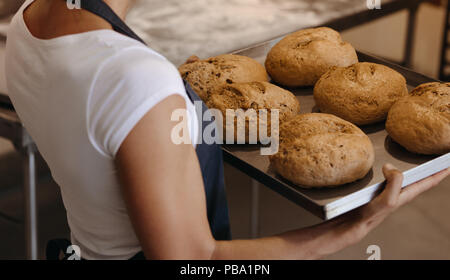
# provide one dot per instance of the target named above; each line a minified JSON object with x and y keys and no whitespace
{"x":178,"y":29}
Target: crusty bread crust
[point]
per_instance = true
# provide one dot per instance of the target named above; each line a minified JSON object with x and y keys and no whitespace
{"x":209,"y":75}
{"x":420,"y":122}
{"x":322,"y":150}
{"x":254,"y":95}
{"x":301,"y":58}
{"x":361,"y":94}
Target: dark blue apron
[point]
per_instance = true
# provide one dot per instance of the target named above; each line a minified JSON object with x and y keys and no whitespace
{"x":209,"y":156}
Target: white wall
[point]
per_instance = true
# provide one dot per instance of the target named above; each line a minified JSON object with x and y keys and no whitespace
{"x":386,"y":37}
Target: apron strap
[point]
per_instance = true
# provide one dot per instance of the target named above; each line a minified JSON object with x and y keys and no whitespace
{"x":102,"y":10}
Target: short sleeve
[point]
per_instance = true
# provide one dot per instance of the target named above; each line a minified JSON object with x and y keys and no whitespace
{"x":126,"y":88}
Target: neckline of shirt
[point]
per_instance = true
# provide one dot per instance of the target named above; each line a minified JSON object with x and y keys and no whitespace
{"x":65,"y":39}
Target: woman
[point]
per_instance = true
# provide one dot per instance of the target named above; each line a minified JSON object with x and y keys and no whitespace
{"x":98,"y":104}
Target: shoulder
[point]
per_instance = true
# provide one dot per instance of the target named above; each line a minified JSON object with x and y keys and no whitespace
{"x":137,"y":63}
{"x":133,"y":69}
{"x":131,"y":81}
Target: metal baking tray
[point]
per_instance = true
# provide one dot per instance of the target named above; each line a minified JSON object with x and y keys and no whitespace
{"x":328,"y":203}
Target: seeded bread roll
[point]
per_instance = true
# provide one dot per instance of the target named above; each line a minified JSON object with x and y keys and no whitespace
{"x":361,"y":94}
{"x":301,"y":58}
{"x":321,"y":150}
{"x":207,"y":76}
{"x":420,"y":122}
{"x":254,"y":95}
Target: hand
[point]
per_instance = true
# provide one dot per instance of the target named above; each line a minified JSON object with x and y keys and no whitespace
{"x":394,"y":196}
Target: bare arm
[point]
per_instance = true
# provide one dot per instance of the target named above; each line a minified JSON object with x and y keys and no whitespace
{"x":163,"y":189}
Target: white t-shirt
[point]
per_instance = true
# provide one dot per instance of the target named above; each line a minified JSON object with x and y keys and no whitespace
{"x":79,"y":96}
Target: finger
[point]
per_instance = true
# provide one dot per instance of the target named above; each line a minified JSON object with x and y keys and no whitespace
{"x":387,"y":201}
{"x":394,"y":179}
{"x":413,"y":190}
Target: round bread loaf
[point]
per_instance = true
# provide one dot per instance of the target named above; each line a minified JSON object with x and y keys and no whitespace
{"x":301,"y":58}
{"x":256,"y":96}
{"x":420,"y":122}
{"x":322,"y":150}
{"x":362,"y":93}
{"x":206,"y":76}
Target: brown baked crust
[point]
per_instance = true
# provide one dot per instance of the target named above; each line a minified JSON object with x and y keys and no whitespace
{"x":322,"y":150}
{"x":206,"y":76}
{"x":361,"y":94}
{"x":254,"y":95}
{"x":420,"y":122}
{"x":301,"y":58}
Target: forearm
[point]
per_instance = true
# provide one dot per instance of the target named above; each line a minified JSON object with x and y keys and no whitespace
{"x":309,"y":243}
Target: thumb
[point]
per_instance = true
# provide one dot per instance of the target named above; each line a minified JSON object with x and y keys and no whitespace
{"x":394,"y":180}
